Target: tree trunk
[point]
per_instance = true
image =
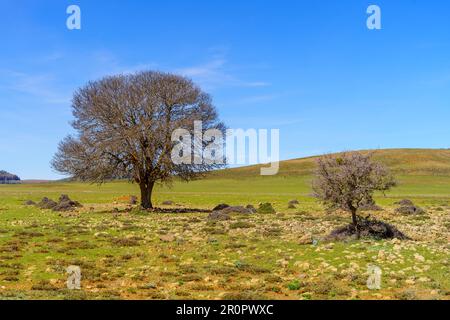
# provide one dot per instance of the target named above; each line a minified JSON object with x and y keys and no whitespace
{"x":146,"y":195}
{"x":355,"y":221}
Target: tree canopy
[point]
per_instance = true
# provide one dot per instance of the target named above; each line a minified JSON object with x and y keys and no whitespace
{"x":124,"y":129}
{"x":348,"y":181}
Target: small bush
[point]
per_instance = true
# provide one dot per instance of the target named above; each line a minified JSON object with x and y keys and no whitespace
{"x":294,"y":285}
{"x":266,"y":208}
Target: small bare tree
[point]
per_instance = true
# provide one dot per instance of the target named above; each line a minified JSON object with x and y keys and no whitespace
{"x":348,"y":181}
{"x":125,"y":125}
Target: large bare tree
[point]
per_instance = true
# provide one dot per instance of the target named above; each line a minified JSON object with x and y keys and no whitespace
{"x":348,"y":181}
{"x":124,"y":130}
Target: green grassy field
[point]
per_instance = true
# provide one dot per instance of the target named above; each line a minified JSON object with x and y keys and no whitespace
{"x":209,"y":192}
{"x":128,"y":254}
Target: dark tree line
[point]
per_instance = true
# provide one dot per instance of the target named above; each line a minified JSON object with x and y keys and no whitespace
{"x":6,"y":177}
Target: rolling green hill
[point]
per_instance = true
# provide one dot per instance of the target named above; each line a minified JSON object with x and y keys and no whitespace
{"x":422,"y":174}
{"x":404,"y":162}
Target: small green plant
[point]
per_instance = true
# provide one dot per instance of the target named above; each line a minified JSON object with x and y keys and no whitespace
{"x":294,"y":285}
{"x":275,"y":289}
{"x":307,"y":296}
{"x":266,"y":208}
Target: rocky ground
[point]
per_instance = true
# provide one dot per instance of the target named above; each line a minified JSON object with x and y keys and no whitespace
{"x":126,"y":253}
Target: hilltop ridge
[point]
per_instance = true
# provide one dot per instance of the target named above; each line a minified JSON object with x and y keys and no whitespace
{"x":400,"y":161}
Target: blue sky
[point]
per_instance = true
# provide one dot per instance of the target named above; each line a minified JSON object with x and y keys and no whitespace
{"x":310,"y":68}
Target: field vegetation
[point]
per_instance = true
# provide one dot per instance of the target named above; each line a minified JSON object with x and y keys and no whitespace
{"x":128,"y":253}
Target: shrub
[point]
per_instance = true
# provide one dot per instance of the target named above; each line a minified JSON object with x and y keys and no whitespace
{"x":266,"y":208}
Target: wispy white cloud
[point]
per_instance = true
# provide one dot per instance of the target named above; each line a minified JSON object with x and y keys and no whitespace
{"x":255,"y":99}
{"x":209,"y":69}
{"x":107,"y":63}
{"x":41,"y":86}
{"x":215,"y":73}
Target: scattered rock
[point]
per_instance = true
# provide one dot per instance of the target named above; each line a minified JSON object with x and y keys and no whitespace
{"x":29,"y":203}
{"x":167,"y":238}
{"x":370,"y":207}
{"x":46,"y":203}
{"x":292,"y":206}
{"x":251,"y":208}
{"x":219,"y":215}
{"x":221,"y":207}
{"x":133,"y":200}
{"x":424,"y":279}
{"x":306,"y":239}
{"x":150,"y":285}
{"x":410,"y":210}
{"x":66,"y":204}
{"x":69,"y":214}
{"x":407,"y":207}
{"x":238,"y":210}
{"x":266,"y":208}
{"x":282,"y":263}
{"x":101,"y":234}
{"x":303,"y":266}
{"x":404,"y":202}
{"x":64,"y":198}
{"x":293,"y":202}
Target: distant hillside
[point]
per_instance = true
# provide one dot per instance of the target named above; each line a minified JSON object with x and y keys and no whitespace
{"x":35,"y":181}
{"x":400,"y":161}
{"x":7,"y":178}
